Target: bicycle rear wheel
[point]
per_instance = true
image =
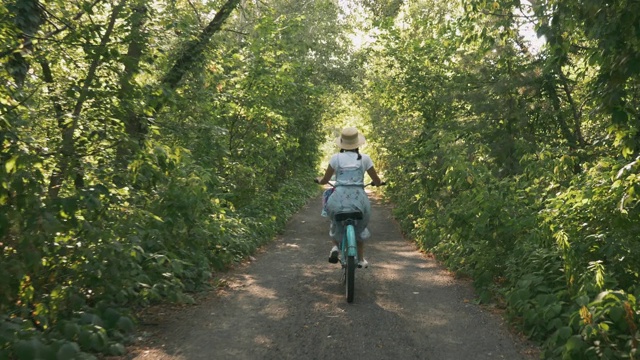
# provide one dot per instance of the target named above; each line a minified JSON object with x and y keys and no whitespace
{"x":350,"y":278}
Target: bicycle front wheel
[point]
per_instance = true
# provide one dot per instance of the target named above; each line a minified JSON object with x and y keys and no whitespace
{"x":350,"y":278}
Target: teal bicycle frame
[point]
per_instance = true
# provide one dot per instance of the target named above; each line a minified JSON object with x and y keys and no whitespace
{"x":349,"y":239}
{"x":349,"y":249}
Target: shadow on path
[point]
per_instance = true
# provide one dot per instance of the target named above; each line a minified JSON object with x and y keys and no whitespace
{"x":289,"y":303}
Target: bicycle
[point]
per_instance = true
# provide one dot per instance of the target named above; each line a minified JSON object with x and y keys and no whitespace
{"x":349,"y":248}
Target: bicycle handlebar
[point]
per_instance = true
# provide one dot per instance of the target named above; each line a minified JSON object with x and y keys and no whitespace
{"x":369,"y":184}
{"x":382,"y":183}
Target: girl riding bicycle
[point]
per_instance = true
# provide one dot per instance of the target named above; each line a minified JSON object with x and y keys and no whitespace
{"x":349,"y":166}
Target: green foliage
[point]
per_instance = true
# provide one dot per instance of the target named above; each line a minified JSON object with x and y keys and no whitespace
{"x":604,"y":328}
{"x":518,"y":168}
{"x":124,"y":183}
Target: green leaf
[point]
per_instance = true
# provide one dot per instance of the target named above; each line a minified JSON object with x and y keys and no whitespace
{"x":10,"y":165}
{"x":582,"y":300}
{"x":564,"y":332}
{"x":125,"y":324}
{"x":67,"y":351}
{"x":28,"y":349}
{"x":71,"y":330}
{"x":117,"y":349}
{"x":575,"y":344}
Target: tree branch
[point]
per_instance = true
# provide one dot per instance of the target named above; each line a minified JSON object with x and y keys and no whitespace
{"x":195,"y":48}
{"x":29,"y":41}
{"x":22,"y":102}
{"x":67,"y":147}
{"x":195,"y":11}
{"x":236,"y":32}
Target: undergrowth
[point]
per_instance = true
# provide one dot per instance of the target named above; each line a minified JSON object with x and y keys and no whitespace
{"x":111,"y":250}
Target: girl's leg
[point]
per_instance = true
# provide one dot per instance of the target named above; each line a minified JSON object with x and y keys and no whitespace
{"x":334,"y":253}
{"x":362,"y":262}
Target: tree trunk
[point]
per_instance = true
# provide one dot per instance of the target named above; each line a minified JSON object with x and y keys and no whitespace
{"x":134,"y":128}
{"x":194,"y":49}
{"x":28,"y":18}
{"x":136,"y":125}
{"x":554,"y":97}
{"x":70,"y":160}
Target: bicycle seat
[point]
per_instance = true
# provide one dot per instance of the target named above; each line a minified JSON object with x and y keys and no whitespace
{"x":355,"y":215}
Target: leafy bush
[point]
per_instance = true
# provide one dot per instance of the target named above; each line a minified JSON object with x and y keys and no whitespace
{"x":496,"y":169}
{"x":116,"y":249}
{"x":606,"y":328}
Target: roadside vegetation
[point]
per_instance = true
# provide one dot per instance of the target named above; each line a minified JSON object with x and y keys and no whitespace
{"x":146,"y":145}
{"x":516,"y":162}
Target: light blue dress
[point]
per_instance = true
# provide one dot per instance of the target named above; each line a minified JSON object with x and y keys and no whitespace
{"x":349,"y":196}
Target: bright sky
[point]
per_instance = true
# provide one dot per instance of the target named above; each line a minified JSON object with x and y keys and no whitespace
{"x":361,"y":38}
{"x":527,"y":28}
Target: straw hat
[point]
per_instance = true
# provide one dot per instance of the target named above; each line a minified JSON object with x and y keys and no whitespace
{"x":350,"y":139}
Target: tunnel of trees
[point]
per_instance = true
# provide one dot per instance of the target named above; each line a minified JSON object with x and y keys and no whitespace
{"x":145,"y":145}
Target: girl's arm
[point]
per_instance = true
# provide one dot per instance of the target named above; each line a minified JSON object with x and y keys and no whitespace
{"x":374,"y":176}
{"x":327,"y":176}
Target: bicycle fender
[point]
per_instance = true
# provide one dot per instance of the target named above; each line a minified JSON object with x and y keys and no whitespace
{"x":352,"y":249}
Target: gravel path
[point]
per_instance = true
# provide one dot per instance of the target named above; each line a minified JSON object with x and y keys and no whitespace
{"x":288,"y":303}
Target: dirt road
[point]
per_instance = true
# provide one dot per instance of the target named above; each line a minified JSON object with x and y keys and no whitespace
{"x":289,"y":303}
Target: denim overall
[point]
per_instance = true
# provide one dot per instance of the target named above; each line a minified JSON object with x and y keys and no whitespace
{"x":349,"y":196}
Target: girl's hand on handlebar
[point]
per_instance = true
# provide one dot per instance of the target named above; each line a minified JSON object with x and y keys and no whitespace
{"x":381,"y":183}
